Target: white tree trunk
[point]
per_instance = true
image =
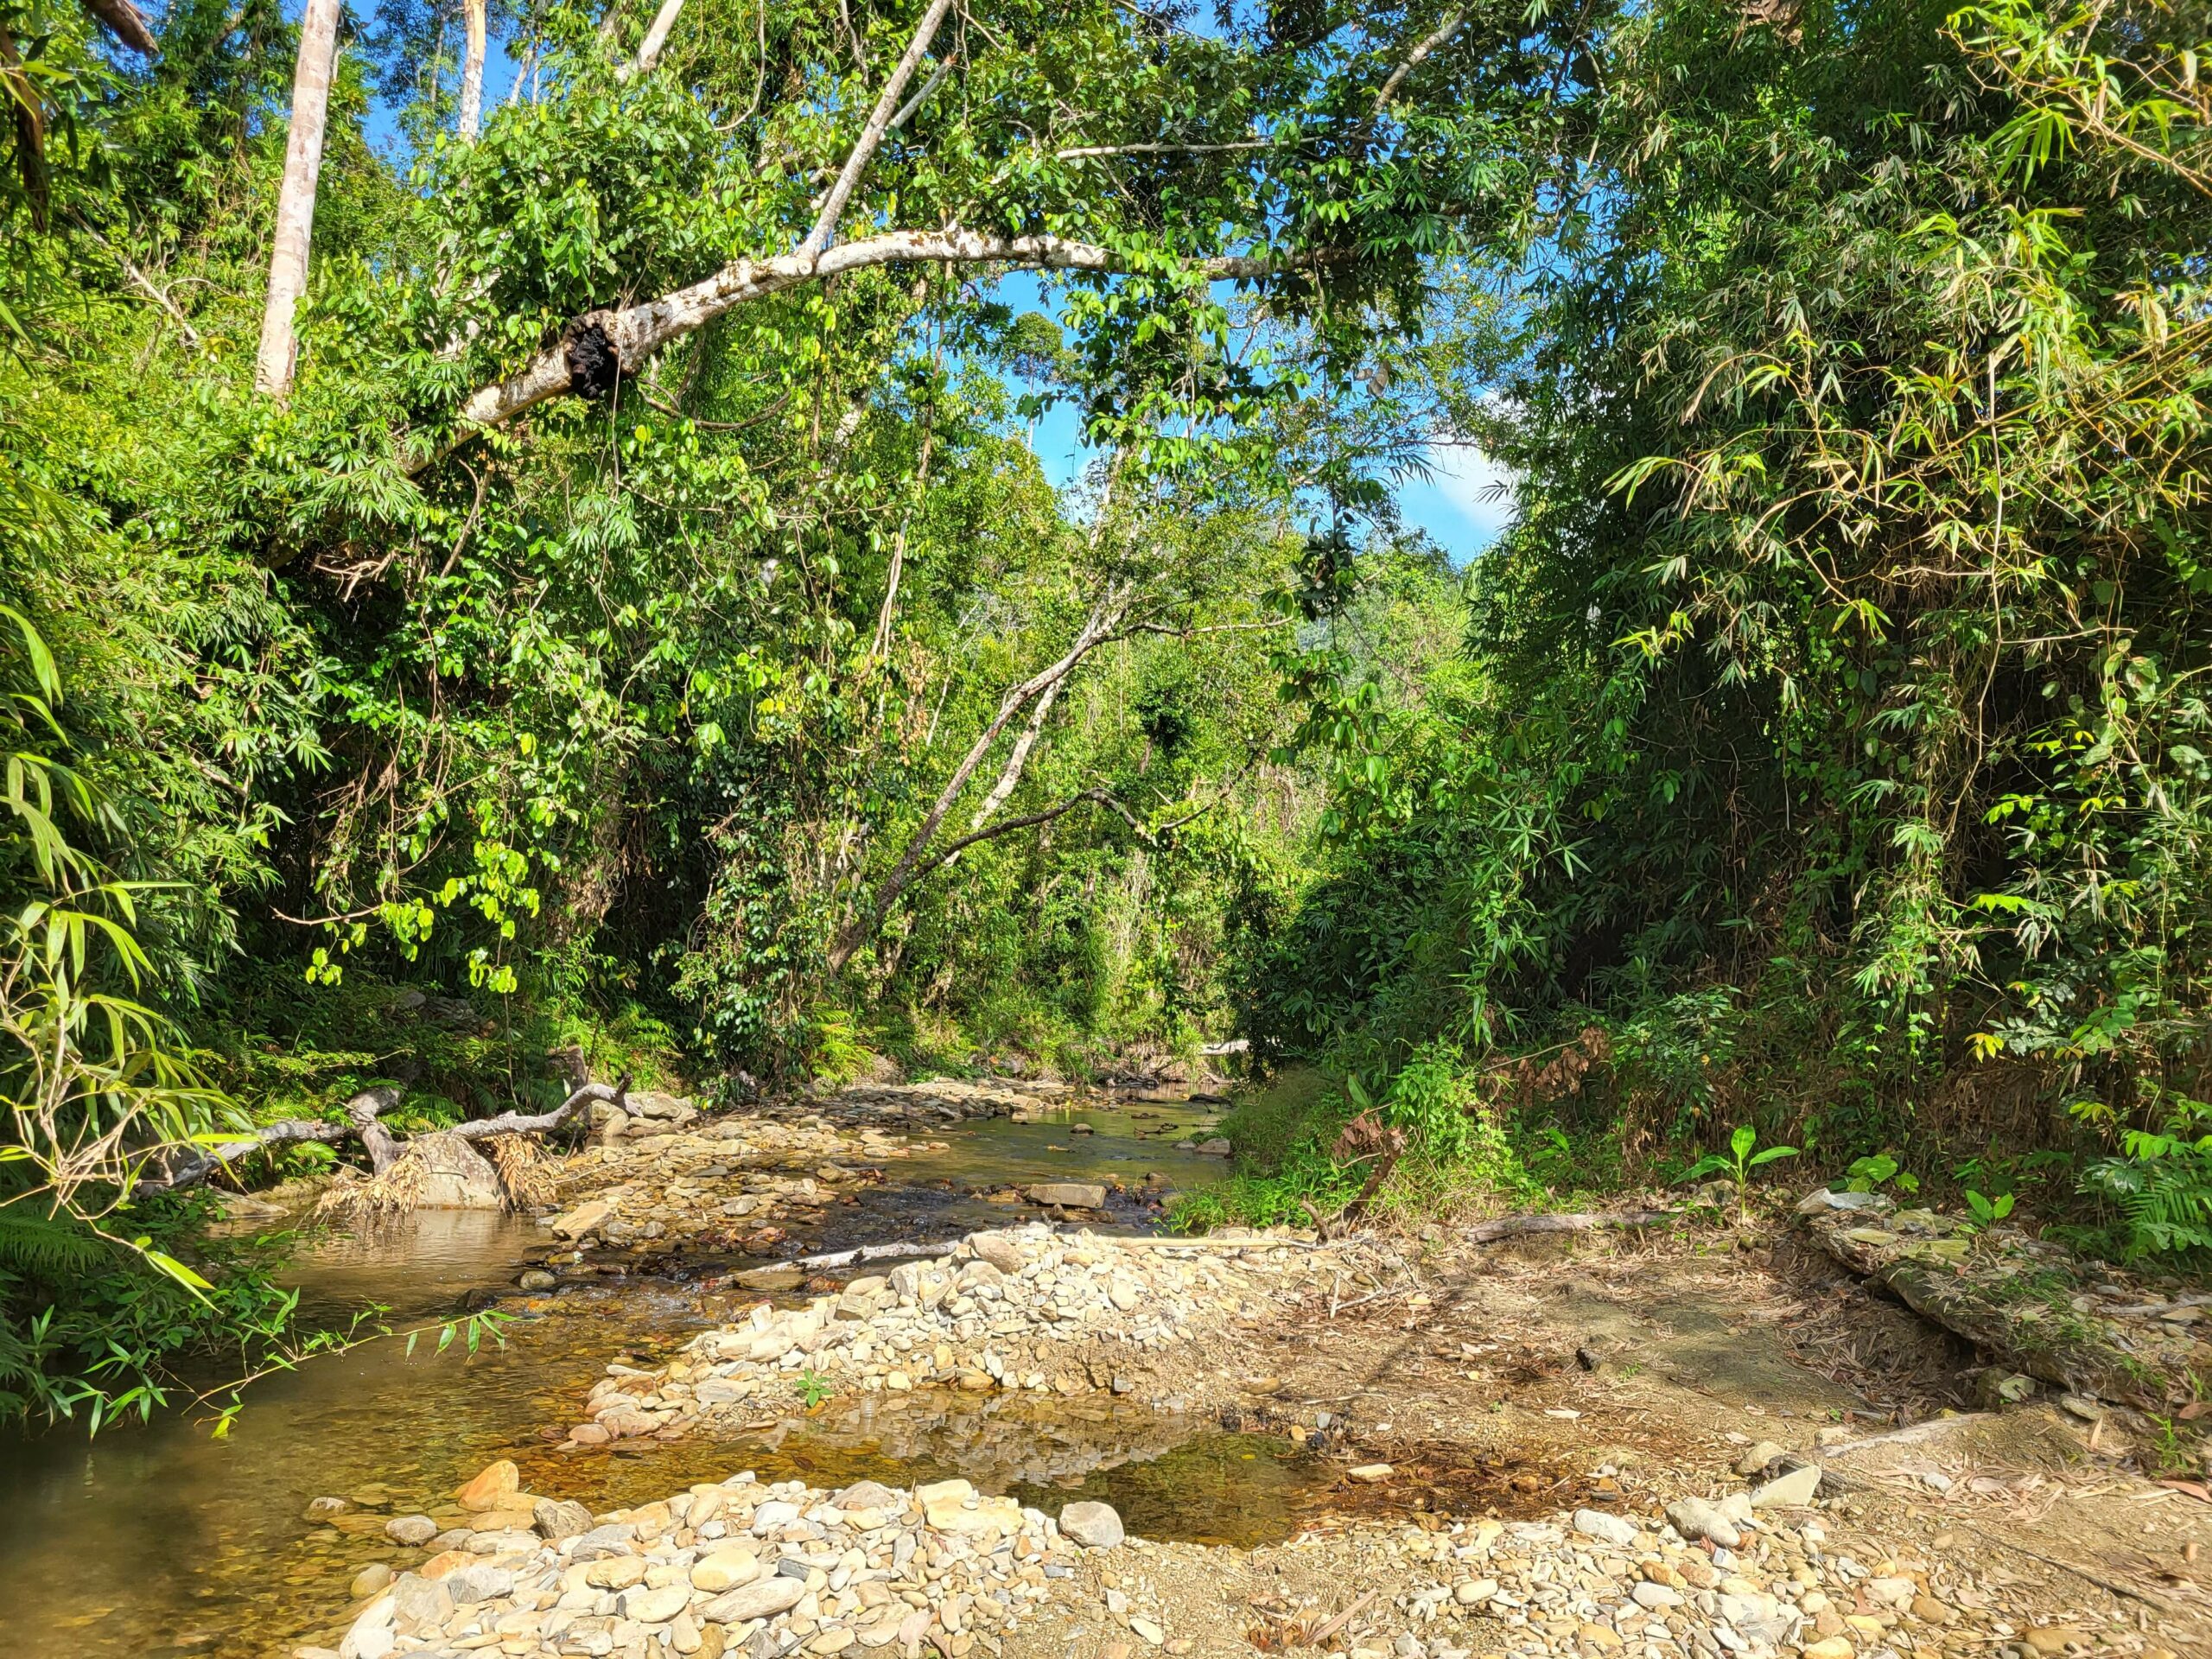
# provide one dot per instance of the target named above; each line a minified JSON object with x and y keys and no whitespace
{"x":471,"y":72}
{"x":288,"y":263}
{"x":649,"y":50}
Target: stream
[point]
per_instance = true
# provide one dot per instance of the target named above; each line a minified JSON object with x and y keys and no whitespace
{"x":159,"y":1540}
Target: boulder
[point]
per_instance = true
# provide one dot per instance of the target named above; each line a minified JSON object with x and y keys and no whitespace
{"x":1067,"y":1195}
{"x":456,"y":1176}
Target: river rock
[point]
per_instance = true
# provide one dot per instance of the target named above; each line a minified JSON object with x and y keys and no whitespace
{"x":1094,"y":1526}
{"x":1696,"y":1519}
{"x":1793,"y":1490}
{"x":997,"y":1248}
{"x":371,"y":1579}
{"x":609,"y":1538}
{"x":479,"y":1581}
{"x":558,"y":1518}
{"x":490,"y":1487}
{"x":325,"y":1509}
{"x":763,"y":1598}
{"x":419,"y":1603}
{"x":373,"y":1635}
{"x":1217,"y":1148}
{"x":410,"y":1530}
{"x":1614,"y":1529}
{"x":656,"y":1606}
{"x":726,"y":1569}
{"x":1067,"y":1195}
{"x":580,"y":1222}
{"x":537,"y":1279}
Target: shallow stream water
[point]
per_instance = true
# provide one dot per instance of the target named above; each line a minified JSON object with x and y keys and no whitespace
{"x":159,"y":1540}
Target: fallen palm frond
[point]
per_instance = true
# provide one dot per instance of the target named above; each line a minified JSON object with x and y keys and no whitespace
{"x":526,"y":1171}
{"x":358,"y":1200}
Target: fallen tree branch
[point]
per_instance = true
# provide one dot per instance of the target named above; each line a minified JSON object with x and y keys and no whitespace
{"x":614,"y":1094}
{"x":1490,"y":1232}
{"x":363,"y":1117}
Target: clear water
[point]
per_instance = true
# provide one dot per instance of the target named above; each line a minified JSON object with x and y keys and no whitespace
{"x":160,"y":1540}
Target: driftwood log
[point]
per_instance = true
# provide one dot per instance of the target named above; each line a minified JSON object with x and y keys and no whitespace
{"x":361,"y":1120}
{"x":2029,"y":1303}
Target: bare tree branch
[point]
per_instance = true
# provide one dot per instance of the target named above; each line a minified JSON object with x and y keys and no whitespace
{"x":649,"y":50}
{"x":362,"y":1116}
{"x":879,"y":122}
{"x":1090,"y":152}
{"x":1098,"y":628}
{"x":1010,"y":775}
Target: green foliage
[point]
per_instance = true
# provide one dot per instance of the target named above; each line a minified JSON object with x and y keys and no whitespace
{"x":1739,"y":1162}
{"x":2160,"y":1182}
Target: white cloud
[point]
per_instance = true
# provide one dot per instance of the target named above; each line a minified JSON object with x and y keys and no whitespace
{"x":1480,"y":488}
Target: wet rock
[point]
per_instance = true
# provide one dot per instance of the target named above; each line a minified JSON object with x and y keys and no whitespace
{"x":410,"y":1530}
{"x":371,"y":1579}
{"x":1217,"y":1148}
{"x":324,"y":1509}
{"x":537,"y":1279}
{"x":1094,"y":1526}
{"x":490,"y":1487}
{"x":558,"y":1518}
{"x":1067,"y":1195}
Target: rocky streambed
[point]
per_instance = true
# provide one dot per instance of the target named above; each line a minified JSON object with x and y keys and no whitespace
{"x":720,"y":1424}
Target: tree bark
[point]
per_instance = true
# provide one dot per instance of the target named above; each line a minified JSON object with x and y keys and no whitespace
{"x":126,"y":22}
{"x":1098,"y":628}
{"x":288,"y":262}
{"x":471,"y":70}
{"x":1017,"y":758}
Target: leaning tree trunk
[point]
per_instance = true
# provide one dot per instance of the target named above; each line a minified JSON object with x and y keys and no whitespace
{"x":288,"y":262}
{"x":471,"y":72}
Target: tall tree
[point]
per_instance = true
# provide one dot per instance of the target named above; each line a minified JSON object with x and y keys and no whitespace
{"x":471,"y":72}
{"x":288,"y":260}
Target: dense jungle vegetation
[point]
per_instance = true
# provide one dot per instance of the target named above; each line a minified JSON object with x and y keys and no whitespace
{"x":621,"y":606}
